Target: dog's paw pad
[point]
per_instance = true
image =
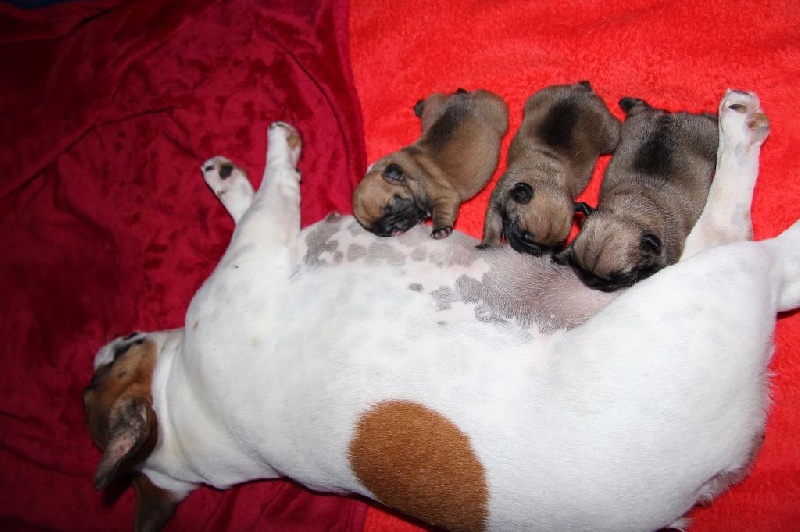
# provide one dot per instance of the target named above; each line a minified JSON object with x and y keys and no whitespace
{"x":222,"y":175}
{"x":740,"y":116}
{"x":442,"y":232}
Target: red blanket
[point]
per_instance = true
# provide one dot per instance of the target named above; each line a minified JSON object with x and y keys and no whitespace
{"x":677,"y":54}
{"x":107,"y":110}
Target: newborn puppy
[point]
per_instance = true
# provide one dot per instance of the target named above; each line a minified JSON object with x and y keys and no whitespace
{"x":551,"y":158}
{"x":453,"y":160}
{"x":652,"y":194}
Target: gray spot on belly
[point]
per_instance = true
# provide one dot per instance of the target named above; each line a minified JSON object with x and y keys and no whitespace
{"x":319,"y":241}
{"x":416,"y":287}
{"x":356,"y":252}
{"x":444,"y":297}
{"x":378,"y":252}
{"x":419,"y":254}
{"x":529,"y":291}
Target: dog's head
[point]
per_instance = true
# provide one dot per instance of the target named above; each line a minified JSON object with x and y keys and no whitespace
{"x":391,"y":198}
{"x":119,"y":412}
{"x":537,"y":218}
{"x":610,"y":253}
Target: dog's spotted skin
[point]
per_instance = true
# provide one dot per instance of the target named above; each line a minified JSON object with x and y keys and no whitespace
{"x":318,"y":356}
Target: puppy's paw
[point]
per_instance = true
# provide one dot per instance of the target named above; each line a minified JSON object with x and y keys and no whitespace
{"x":741,"y":119}
{"x":280,"y":132}
{"x":442,"y":232}
{"x":228,"y":182}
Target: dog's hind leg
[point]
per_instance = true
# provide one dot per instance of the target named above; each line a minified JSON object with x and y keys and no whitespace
{"x":230,"y":184}
{"x":743,"y":127}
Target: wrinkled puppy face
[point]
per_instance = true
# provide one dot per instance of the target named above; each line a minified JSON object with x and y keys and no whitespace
{"x":537,"y":218}
{"x":118,"y":405}
{"x":388,"y":201}
{"x":610,"y":253}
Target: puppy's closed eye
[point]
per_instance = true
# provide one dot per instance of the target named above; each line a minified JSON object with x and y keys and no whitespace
{"x":393,"y":173}
{"x":522,"y":193}
{"x":650,"y":243}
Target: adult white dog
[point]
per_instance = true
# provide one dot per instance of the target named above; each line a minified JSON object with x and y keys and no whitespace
{"x":472,"y":389}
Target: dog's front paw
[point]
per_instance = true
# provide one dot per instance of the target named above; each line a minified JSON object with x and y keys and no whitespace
{"x":224,"y":177}
{"x":230,"y":184}
{"x":442,"y":232}
{"x":741,"y":118}
{"x":283,"y":131}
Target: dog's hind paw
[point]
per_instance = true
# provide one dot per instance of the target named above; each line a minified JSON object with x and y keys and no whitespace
{"x":741,"y":118}
{"x":229,"y":183}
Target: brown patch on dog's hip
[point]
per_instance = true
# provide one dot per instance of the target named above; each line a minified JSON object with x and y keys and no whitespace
{"x":417,"y":461}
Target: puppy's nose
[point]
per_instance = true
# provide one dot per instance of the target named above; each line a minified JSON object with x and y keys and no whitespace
{"x":522,"y":193}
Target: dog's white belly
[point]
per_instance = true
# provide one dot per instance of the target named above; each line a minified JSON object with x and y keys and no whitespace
{"x":587,"y":428}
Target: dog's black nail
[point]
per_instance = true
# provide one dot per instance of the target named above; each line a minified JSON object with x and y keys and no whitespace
{"x":208,"y":168}
{"x":418,"y":108}
{"x":739,"y":108}
{"x":460,"y":91}
{"x":225,"y":171}
{"x":522,"y":193}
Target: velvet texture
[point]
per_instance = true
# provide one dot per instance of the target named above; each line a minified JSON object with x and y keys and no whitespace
{"x":677,"y":54}
{"x":108,"y":110}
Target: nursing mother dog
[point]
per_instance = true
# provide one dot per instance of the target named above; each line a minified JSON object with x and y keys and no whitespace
{"x":426,"y":374}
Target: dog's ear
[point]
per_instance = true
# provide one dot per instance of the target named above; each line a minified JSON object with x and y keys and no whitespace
{"x":393,"y":174}
{"x":633,"y":105}
{"x":583,"y":208}
{"x":418,"y":108}
{"x":650,"y":244}
{"x":154,"y":506}
{"x":131,"y":436}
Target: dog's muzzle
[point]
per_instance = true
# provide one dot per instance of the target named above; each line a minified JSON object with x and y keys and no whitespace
{"x":523,"y":241}
{"x":401,"y":215}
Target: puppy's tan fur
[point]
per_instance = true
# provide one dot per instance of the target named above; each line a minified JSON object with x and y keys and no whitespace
{"x":564,"y":130}
{"x":453,"y":160}
{"x":653,"y":192}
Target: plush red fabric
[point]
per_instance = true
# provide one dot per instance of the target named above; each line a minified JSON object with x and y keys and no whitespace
{"x":677,"y":54}
{"x":107,"y":110}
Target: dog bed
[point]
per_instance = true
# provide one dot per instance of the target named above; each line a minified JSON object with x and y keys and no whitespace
{"x":108,"y":108}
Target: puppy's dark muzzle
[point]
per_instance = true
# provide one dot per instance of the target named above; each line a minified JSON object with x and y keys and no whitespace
{"x":523,"y":241}
{"x":401,"y":215}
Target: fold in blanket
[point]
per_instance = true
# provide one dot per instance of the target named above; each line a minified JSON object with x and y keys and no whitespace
{"x":108,"y":109}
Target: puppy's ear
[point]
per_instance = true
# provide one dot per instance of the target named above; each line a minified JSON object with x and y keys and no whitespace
{"x":583,"y":208}
{"x":393,"y":174}
{"x":418,"y":108}
{"x":131,"y":423}
{"x":633,"y":105}
{"x":650,"y":244}
{"x":565,"y":257}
